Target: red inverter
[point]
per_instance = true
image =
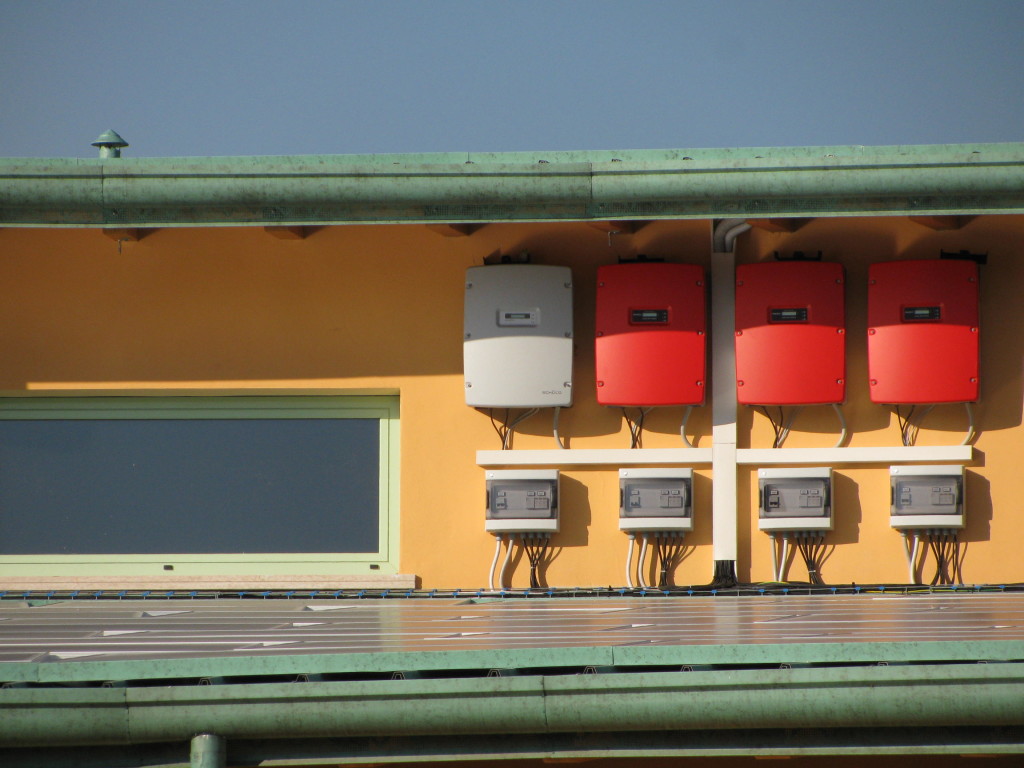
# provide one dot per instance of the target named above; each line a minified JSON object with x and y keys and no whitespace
{"x":650,"y":346}
{"x":790,"y":333}
{"x":923,"y":331}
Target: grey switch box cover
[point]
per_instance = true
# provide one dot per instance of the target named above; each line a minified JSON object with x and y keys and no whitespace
{"x":522,"y":500}
{"x":658,"y":500}
{"x":797,"y":499}
{"x":927,"y":496}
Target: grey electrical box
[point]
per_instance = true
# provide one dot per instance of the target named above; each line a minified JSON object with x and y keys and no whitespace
{"x":927,"y":496}
{"x":522,"y":501}
{"x":517,"y":336}
{"x":655,"y":499}
{"x":797,"y":499}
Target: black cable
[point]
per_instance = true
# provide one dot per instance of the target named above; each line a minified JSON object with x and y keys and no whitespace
{"x":812,"y":549}
{"x":725,"y":575}
{"x":778,"y":425}
{"x":945,"y":548}
{"x":664,"y":559}
{"x":509,"y":424}
{"x":535,"y":546}
{"x":670,"y":551}
{"x":503,"y":429}
{"x":909,"y":430}
{"x":705,"y":590}
{"x":940,"y":577}
{"x":636,"y":427}
{"x":767,"y":415}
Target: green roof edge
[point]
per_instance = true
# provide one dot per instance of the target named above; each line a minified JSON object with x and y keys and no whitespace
{"x":509,"y":187}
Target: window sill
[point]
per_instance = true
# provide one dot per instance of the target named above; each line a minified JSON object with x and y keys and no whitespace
{"x":226,"y":583}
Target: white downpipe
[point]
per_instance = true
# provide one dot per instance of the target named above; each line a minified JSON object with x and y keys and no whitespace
{"x":724,"y":535}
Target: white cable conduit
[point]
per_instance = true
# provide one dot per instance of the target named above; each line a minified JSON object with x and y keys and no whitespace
{"x":494,"y":562}
{"x":842,"y":424}
{"x":641,"y":581}
{"x":970,"y":424}
{"x":629,"y":562}
{"x":508,"y":556}
{"x":682,"y":426}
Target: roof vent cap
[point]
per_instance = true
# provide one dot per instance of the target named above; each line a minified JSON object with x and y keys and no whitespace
{"x":110,"y":143}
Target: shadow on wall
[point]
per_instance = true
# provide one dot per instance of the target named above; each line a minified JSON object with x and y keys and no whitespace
{"x":977,"y":505}
{"x":530,"y":559}
{"x":575,"y":512}
{"x":847,"y":512}
{"x":234,"y":304}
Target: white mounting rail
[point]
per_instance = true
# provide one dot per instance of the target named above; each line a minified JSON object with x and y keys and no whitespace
{"x":626,"y":457}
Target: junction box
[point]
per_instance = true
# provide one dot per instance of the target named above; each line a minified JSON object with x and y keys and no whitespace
{"x":656,"y":499}
{"x":924,"y":497}
{"x":522,"y":501}
{"x":797,"y":499}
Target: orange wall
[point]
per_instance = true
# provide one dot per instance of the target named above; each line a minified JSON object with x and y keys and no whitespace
{"x":371,"y":308}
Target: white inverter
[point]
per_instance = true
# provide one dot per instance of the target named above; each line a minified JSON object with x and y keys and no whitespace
{"x":517,"y":342}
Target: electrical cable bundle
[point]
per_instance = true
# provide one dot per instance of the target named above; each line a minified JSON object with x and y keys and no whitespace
{"x":507,"y":428}
{"x":908,"y":428}
{"x":669,"y":552}
{"x":811,"y":547}
{"x":781,"y":425}
{"x":725,"y":575}
{"x":535,"y":545}
{"x":636,"y":426}
{"x":946,"y":550}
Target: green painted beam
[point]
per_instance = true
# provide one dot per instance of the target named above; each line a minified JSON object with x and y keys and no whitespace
{"x":953,"y":695}
{"x":558,"y":186}
{"x":540,"y":659}
{"x":1003,"y":747}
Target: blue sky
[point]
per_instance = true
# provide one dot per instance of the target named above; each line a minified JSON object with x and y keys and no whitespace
{"x":255,"y":77}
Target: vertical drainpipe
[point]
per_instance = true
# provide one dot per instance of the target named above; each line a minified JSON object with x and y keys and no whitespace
{"x":724,"y":537}
{"x":209,"y":751}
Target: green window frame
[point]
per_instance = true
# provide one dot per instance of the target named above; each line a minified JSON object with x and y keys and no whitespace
{"x":380,"y":558}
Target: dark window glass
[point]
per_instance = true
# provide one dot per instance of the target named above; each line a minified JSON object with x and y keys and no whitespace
{"x":189,"y":486}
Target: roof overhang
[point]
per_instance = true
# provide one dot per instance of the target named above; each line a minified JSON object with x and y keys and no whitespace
{"x":750,"y":694}
{"x":926,"y":180}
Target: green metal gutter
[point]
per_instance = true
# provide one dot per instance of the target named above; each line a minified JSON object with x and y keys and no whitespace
{"x":461,"y":188}
{"x":801,"y":698}
{"x":168,"y":671}
{"x":861,"y":697}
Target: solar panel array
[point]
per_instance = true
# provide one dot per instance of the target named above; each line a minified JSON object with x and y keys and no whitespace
{"x":105,"y":630}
